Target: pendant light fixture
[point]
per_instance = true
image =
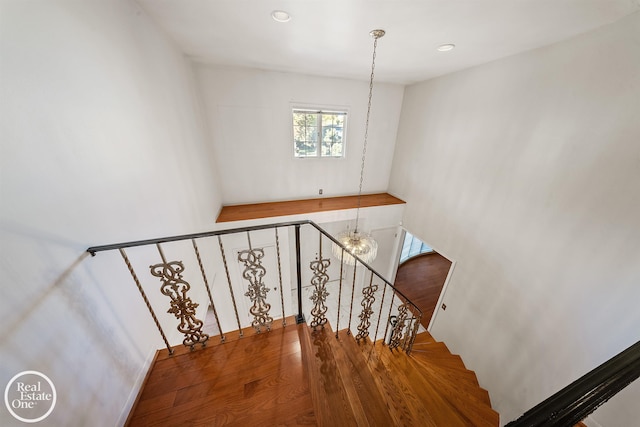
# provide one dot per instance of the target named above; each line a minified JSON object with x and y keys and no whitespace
{"x":356,"y":242}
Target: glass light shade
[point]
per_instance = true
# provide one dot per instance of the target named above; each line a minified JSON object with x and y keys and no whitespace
{"x":356,"y":243}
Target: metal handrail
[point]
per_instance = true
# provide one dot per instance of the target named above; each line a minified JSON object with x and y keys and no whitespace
{"x":95,"y":249}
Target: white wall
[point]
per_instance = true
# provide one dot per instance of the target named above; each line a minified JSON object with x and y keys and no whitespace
{"x":249,"y":115}
{"x":526,"y":171}
{"x":102,"y":141}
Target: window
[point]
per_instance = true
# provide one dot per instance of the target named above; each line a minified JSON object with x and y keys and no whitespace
{"x":318,"y":133}
{"x":412,"y":246}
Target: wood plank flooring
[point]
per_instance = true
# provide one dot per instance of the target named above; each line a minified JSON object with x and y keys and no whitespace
{"x":257,"y":380}
{"x":295,"y":376}
{"x":297,"y":207}
{"x":421,"y":280}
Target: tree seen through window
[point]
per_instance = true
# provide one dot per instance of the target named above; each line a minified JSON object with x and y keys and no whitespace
{"x":318,"y":133}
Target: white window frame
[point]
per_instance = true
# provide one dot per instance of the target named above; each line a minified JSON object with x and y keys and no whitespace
{"x":320,"y":110}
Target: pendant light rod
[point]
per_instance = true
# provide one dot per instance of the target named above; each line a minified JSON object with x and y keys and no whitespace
{"x":376,"y":34}
{"x":352,"y":244}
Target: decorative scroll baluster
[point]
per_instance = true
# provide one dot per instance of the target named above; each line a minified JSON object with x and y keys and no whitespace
{"x":320,"y":294}
{"x":368,"y":298}
{"x":284,"y":319}
{"x":386,"y":328}
{"x":206,"y":284}
{"x":397,"y":334}
{"x":173,"y":286}
{"x":146,"y":300}
{"x":340,"y":293}
{"x":233,"y":298}
{"x":413,"y":334}
{"x":407,"y":333}
{"x":254,"y":272}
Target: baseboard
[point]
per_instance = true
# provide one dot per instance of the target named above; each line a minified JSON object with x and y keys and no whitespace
{"x":134,"y":395}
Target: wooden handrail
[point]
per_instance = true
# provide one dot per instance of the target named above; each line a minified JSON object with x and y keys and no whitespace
{"x":576,"y":401}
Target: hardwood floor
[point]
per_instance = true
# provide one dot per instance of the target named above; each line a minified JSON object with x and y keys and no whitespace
{"x":296,"y":207}
{"x":295,"y":376}
{"x":257,"y":380}
{"x":421,"y":280}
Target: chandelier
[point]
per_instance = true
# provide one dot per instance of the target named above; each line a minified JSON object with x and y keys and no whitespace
{"x":356,"y":242}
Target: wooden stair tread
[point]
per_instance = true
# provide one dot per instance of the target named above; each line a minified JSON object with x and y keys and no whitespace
{"x":405,"y":374}
{"x":430,"y":353}
{"x":428,"y":341}
{"x":330,"y":399}
{"x":362,"y":388}
{"x":425,"y":337}
{"x":453,"y":381}
{"x":444,"y":365}
{"x":458,"y":379}
{"x":465,"y":399}
{"x":452,"y":374}
{"x":407,"y":409}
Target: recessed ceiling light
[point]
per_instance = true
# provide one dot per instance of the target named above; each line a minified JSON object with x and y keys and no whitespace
{"x":446,"y":47}
{"x":280,"y":16}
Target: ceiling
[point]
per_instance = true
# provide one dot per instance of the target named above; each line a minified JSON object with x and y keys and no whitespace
{"x":331,"y":37}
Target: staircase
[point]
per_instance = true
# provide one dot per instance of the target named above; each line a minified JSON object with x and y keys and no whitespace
{"x":297,"y":376}
{"x":372,"y":385}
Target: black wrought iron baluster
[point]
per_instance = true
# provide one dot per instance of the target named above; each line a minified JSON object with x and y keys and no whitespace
{"x":353,"y":290}
{"x":206,"y":284}
{"x":386,"y":329}
{"x":384,"y":292}
{"x":146,"y":300}
{"x":300,"y":317}
{"x":233,"y":298}
{"x":340,"y":292}
{"x":284,"y":319}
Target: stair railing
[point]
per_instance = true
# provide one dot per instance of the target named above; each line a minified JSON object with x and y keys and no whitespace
{"x":579,"y":399}
{"x":238,"y":269}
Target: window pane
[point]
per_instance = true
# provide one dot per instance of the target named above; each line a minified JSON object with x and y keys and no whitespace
{"x":305,"y":134}
{"x":332,"y":133}
{"x":412,"y":246}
